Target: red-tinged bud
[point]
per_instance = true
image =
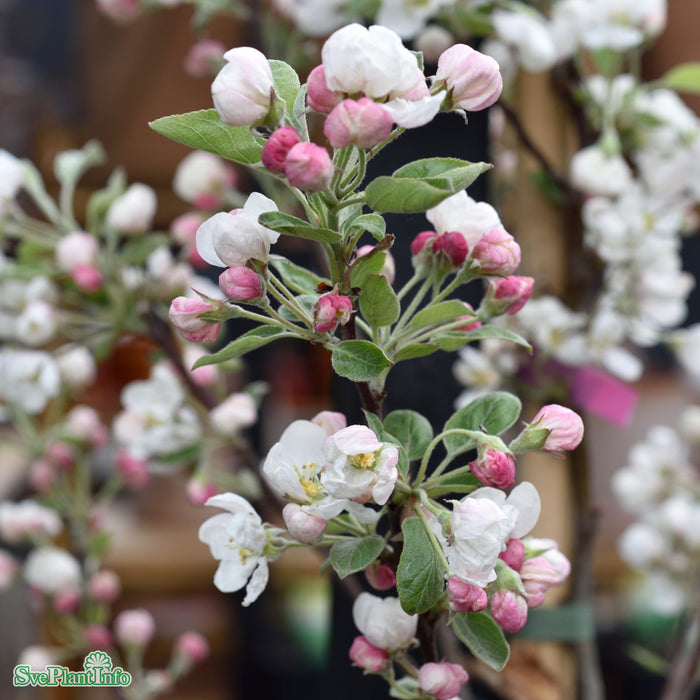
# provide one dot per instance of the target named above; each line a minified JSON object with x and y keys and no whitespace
{"x":513,"y":554}
{"x":442,"y":681}
{"x":331,"y":310}
{"x":508,"y":294}
{"x":554,"y":429}
{"x":494,"y":468}
{"x":199,"y":492}
{"x":369,"y":658}
{"x":497,"y":253}
{"x":134,"y":628}
{"x":133,"y":470}
{"x":104,"y":586}
{"x":509,"y":610}
{"x":380,"y":576}
{"x":97,"y":637}
{"x":204,"y":58}
{"x":453,"y":245}
{"x":66,"y":601}
{"x":274,"y":152}
{"x":60,"y":454}
{"x":362,"y":122}
{"x":465,"y":597}
{"x":184,"y":314}
{"x":318,"y":96}
{"x":309,"y":167}
{"x":419,"y":243}
{"x":192,"y":647}
{"x":241,"y":284}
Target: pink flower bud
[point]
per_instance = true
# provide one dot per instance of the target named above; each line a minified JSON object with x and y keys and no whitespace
{"x":184,"y":314}
{"x":465,"y":597}
{"x":60,"y":454}
{"x":302,"y":526}
{"x":84,"y":424}
{"x":369,"y":658}
{"x":104,"y":586}
{"x":443,"y":681}
{"x":330,"y":310}
{"x":318,"y":96}
{"x":330,"y":421}
{"x":513,"y":554}
{"x":242,"y":90}
{"x":87,"y":277}
{"x":494,"y":468}
{"x":388,"y":269}
{"x":472,"y":321}
{"x":497,"y":253}
{"x":362,"y":122}
{"x":539,"y":573}
{"x":134,"y":627}
{"x":121,"y":11}
{"x":42,"y":475}
{"x":508,"y":294}
{"x":192,"y":646}
{"x":204,"y":57}
{"x":380,"y":576}
{"x":274,"y":152}
{"x":419,"y":243}
{"x":66,"y":601}
{"x":183,"y":228}
{"x":97,"y":637}
{"x":309,"y":167}
{"x":241,"y":284}
{"x":509,"y":610}
{"x":565,"y":428}
{"x":199,"y":492}
{"x":76,"y":249}
{"x":473,"y":80}
{"x":133,"y":470}
{"x":453,"y":246}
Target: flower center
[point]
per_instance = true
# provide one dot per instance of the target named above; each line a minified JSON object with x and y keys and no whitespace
{"x":308,"y":478}
{"x":365,"y":460}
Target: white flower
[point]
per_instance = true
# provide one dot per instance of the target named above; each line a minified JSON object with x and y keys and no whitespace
{"x":642,"y":545}
{"x":201,"y":178}
{"x":237,"y":539}
{"x":11,"y":178}
{"x":686,"y":345}
{"x":528,"y":36}
{"x":238,"y":411}
{"x":383,"y":622}
{"x":315,"y":18}
{"x":37,"y":323}
{"x":359,"y":465}
{"x":155,"y":420}
{"x":28,"y":519}
{"x":599,"y":173}
{"x":133,"y":211}
{"x":229,"y":240}
{"x":52,"y":569}
{"x":407,"y":17}
{"x":76,"y":366}
{"x":242,"y":91}
{"x":37,"y":657}
{"x":463,"y":214}
{"x":29,"y":379}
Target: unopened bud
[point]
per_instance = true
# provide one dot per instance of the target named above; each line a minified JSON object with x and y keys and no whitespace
{"x":241,"y":284}
{"x":330,"y":310}
{"x":442,"y":681}
{"x":184,"y":314}
{"x":497,"y":253}
{"x":309,"y":167}
{"x":465,"y":597}
{"x":318,"y":95}
{"x":369,"y":658}
{"x":362,"y":122}
{"x":509,"y":610}
{"x":134,"y":627}
{"x":302,"y":526}
{"x":274,"y":152}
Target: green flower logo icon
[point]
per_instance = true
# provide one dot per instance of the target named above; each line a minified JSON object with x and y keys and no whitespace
{"x":97,"y":659}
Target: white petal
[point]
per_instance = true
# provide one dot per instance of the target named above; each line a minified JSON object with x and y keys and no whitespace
{"x":413,"y":113}
{"x":257,"y":583}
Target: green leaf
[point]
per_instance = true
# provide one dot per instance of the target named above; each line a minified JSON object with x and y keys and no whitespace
{"x":408,"y":352}
{"x":359,"y":360}
{"x":205,"y":130}
{"x":373,"y":422}
{"x":490,"y":331}
{"x":492,"y":414}
{"x":306,"y":301}
{"x":366,"y":265}
{"x":292,"y":226}
{"x":413,"y":431}
{"x":135,"y":251}
{"x":373,"y":223}
{"x":69,"y":166}
{"x":684,"y":77}
{"x":420,"y":577}
{"x":379,"y":304}
{"x":437,"y":314}
{"x":286,"y":82}
{"x":245,"y":343}
{"x":483,"y":637}
{"x":422,"y":184}
{"x":353,"y":555}
{"x":100,"y":201}
{"x":297,"y":278}
{"x":462,"y":483}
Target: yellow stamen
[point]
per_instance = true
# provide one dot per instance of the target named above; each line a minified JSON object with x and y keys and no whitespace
{"x":364,"y":460}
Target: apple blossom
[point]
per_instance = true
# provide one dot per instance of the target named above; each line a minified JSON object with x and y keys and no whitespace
{"x":204,"y":58}
{"x":494,"y":468}
{"x":133,"y":211}
{"x":87,"y":277}
{"x":237,"y":539}
{"x":369,"y":658}
{"x":514,"y":553}
{"x":302,"y":526}
{"x":473,"y":79}
{"x":37,"y":323}
{"x":202,"y":178}
{"x":509,"y":609}
{"x":230,"y":240}
{"x":441,"y":680}
{"x":407,"y":18}
{"x":465,"y":597}
{"x":461,"y":213}
{"x":104,"y":586}
{"x":242,"y":90}
{"x":318,"y":96}
{"x":309,"y":167}
{"x":84,"y":424}
{"x":331,"y":310}
{"x":362,"y":122}
{"x":497,"y":253}
{"x":383,"y":622}
{"x":199,"y":491}
{"x":78,"y":248}
{"x":451,"y":245}
{"x":134,"y":628}
{"x":236,"y":412}
{"x":38,"y":657}
{"x":551,"y":568}
{"x":241,"y":284}
{"x":508,"y":294}
{"x":526,"y":33}
{"x":274,"y":152}
{"x":184,"y":314}
{"x":330,"y":421}
{"x":554,"y":429}
{"x":596,"y":172}
{"x":359,"y":466}
{"x":51,"y":570}
{"x":191,"y":647}
{"x":28,"y":519}
{"x":97,"y":637}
